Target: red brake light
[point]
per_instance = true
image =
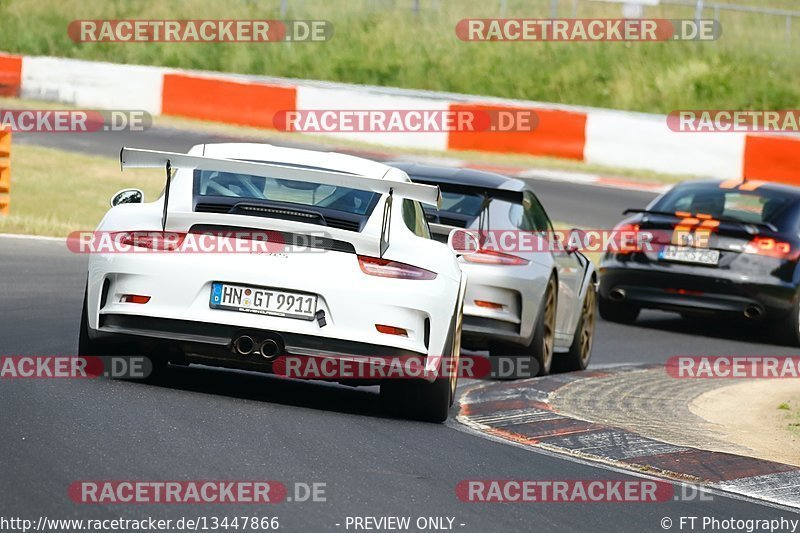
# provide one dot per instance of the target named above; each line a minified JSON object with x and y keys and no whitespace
{"x":488,"y":305}
{"x":385,"y":268}
{"x":491,"y":257}
{"x":769,"y":247}
{"x":134,"y":299}
{"x":625,"y":246}
{"x":391,"y":330}
{"x":154,"y":240}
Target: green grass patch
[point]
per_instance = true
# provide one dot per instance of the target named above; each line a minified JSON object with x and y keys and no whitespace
{"x":55,"y":192}
{"x":791,"y":415}
{"x":385,"y":42}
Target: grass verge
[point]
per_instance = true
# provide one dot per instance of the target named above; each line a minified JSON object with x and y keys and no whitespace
{"x":387,"y":42}
{"x":54,"y":192}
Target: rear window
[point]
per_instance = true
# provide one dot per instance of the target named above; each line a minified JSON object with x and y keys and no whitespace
{"x":462,"y":204}
{"x":748,"y":206}
{"x":208,"y":183}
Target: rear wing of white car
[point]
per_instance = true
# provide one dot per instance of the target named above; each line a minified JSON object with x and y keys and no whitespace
{"x":139,"y":158}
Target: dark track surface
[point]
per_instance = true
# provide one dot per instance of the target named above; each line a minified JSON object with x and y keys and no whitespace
{"x":214,"y":424}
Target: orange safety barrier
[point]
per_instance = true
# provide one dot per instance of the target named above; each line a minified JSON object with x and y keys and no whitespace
{"x":5,"y":170}
{"x":10,"y":74}
{"x":232,"y":102}
{"x":772,"y":158}
{"x":557,"y":133}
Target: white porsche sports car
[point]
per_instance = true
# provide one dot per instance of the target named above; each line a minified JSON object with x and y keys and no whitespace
{"x":521,"y":300}
{"x":368,"y":281}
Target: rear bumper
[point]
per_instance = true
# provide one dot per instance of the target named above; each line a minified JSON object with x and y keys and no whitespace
{"x":686,"y":290}
{"x":180,"y":289}
{"x":184,"y":342}
{"x":518,"y":288}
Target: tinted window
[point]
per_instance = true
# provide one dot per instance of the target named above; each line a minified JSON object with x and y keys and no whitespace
{"x":462,"y":204}
{"x":530,"y":215}
{"x":748,"y":206}
{"x":225,"y":184}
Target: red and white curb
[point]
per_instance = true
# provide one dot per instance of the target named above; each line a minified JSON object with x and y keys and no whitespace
{"x":521,"y":413}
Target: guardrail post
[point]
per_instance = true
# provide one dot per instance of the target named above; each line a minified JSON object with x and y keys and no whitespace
{"x":5,"y":170}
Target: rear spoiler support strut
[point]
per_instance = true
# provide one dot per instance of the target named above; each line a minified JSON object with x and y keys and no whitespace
{"x":168,"y":167}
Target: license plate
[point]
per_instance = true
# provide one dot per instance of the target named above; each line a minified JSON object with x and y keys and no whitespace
{"x":690,"y":255}
{"x":262,"y":301}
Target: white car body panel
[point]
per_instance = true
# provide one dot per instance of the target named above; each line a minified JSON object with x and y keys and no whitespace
{"x":354,"y":302}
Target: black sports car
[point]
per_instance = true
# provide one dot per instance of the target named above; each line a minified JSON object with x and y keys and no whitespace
{"x":726,"y":248}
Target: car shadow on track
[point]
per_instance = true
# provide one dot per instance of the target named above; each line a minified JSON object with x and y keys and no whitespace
{"x":736,"y":330}
{"x":263,"y":387}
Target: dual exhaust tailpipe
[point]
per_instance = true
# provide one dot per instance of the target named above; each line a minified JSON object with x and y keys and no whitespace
{"x":268,"y":348}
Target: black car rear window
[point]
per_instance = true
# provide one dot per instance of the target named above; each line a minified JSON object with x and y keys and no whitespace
{"x":756,"y":206}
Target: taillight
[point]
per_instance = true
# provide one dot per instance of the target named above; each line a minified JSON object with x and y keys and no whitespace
{"x":491,"y":257}
{"x":153,"y":240}
{"x":391,"y":330}
{"x":769,"y":247}
{"x":489,"y":305}
{"x":375,"y":266}
{"x":627,"y":246}
{"x":134,"y":299}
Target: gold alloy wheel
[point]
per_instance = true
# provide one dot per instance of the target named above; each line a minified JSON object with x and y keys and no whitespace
{"x":456,"y":351}
{"x":548,"y":338}
{"x":587,"y":331}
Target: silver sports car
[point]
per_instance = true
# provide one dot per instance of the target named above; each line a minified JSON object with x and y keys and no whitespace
{"x":522,"y":299}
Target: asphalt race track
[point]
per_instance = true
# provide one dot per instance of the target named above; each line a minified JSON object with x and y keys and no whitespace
{"x":214,"y":424}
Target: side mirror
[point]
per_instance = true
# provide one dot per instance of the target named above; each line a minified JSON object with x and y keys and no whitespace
{"x":463,"y":242}
{"x":127,"y":196}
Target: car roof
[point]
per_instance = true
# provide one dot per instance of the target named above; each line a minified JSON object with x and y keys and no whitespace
{"x":458,"y":176}
{"x":269,"y":153}
{"x":770,"y":186}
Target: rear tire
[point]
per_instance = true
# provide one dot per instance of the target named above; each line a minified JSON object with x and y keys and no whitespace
{"x":580,"y":351}
{"x":541,"y":348}
{"x":418,"y":400}
{"x":86,"y":346}
{"x":422,"y":400}
{"x":618,"y":312}
{"x":89,"y":347}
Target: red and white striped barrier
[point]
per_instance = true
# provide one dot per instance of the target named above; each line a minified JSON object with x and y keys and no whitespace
{"x":599,"y":136}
